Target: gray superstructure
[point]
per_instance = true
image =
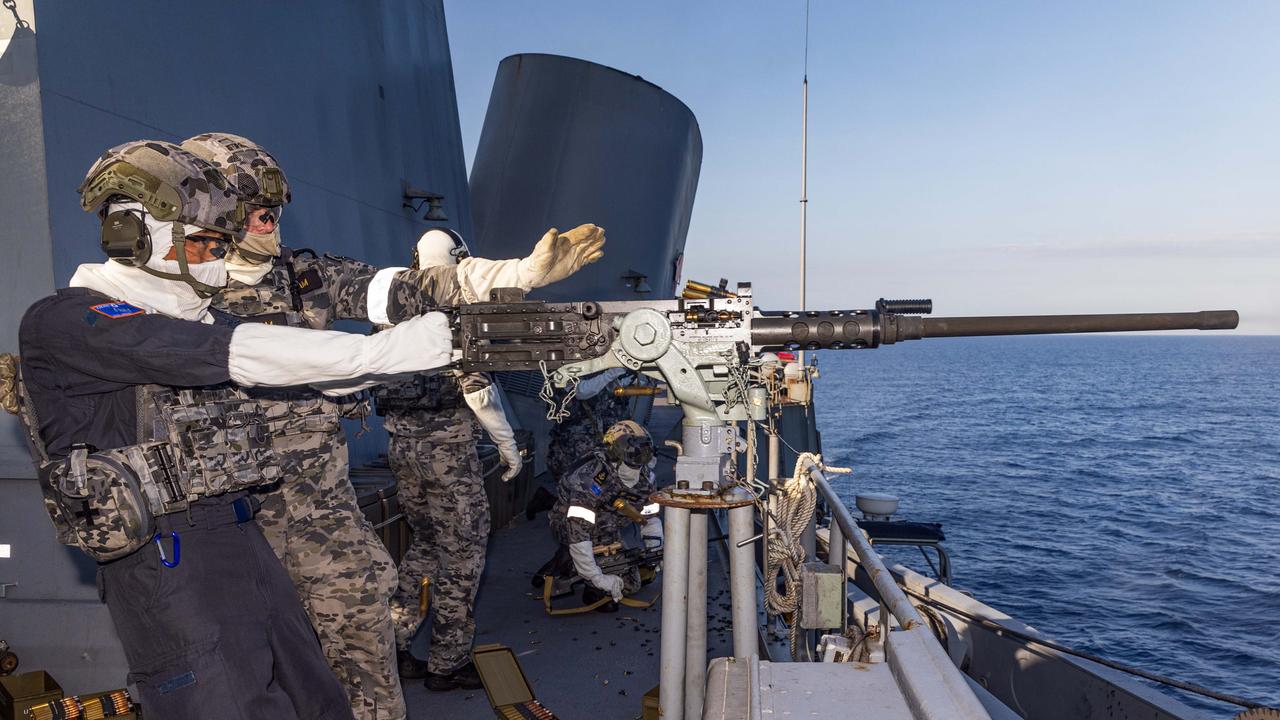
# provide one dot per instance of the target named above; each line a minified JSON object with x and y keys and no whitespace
{"x":566,"y":139}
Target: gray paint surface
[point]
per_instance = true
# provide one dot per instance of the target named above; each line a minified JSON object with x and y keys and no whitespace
{"x":567,"y":141}
{"x":352,"y":98}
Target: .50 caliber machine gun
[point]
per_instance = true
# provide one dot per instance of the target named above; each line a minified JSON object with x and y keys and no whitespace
{"x":703,"y":347}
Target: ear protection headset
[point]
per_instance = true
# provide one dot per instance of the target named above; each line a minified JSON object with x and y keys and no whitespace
{"x":459,"y":250}
{"x":125,"y":238}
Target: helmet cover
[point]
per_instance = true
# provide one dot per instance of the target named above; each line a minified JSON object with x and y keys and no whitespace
{"x":171,"y":183}
{"x":628,"y":442}
{"x":253,"y":171}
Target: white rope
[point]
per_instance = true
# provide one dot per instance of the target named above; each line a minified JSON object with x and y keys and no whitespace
{"x":794,"y":505}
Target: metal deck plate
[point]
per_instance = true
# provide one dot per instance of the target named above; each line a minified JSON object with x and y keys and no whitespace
{"x":793,"y":691}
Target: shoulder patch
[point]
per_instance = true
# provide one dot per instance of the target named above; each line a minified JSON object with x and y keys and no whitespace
{"x":117,"y":310}
{"x":309,"y":281}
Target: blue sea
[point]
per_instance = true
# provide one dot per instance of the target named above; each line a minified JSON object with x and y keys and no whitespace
{"x":1119,"y":493}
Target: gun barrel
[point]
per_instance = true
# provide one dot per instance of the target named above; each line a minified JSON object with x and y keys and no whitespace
{"x":850,"y":329}
{"x":1050,"y":324}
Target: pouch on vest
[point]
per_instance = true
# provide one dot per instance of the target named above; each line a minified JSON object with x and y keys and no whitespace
{"x":95,"y":500}
{"x":425,"y":392}
{"x":97,"y":503}
{"x":221,"y":437}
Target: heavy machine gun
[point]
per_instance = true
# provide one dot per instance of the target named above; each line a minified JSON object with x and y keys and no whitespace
{"x":704,"y":348}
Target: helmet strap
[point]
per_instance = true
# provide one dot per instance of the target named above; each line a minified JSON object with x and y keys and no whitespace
{"x":184,"y":270}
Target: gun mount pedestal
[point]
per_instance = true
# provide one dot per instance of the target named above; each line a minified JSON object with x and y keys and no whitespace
{"x":683,"y":669}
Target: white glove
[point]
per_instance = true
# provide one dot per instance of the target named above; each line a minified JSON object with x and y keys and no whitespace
{"x":278,"y":356}
{"x":556,"y":256}
{"x":593,"y":384}
{"x":651,"y":532}
{"x":487,"y":406}
{"x":584,"y":561}
{"x":611,"y":584}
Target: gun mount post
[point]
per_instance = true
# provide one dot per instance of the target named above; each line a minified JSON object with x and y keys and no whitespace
{"x":695,"y":664}
{"x":675,"y":597}
{"x":742,"y":581}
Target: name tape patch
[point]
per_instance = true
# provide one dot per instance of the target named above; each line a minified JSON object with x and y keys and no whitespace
{"x":116,"y":310}
{"x":186,"y":679}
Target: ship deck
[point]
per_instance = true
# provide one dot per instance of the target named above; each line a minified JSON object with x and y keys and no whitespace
{"x":592,"y":665}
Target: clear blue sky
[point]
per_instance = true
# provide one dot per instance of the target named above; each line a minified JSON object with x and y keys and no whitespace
{"x":999,"y":157}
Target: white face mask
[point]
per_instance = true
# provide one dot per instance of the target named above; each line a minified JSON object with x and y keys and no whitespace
{"x":160,"y":295}
{"x":260,"y":245}
{"x":630,"y":476}
{"x":263,"y":247}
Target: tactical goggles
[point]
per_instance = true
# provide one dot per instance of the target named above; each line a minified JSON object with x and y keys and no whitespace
{"x":265,"y":214}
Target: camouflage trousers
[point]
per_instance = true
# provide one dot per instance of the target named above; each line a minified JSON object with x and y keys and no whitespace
{"x":341,"y":569}
{"x":442,"y":494}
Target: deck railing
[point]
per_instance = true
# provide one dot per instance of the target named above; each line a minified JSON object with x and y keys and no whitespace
{"x":931,"y":684}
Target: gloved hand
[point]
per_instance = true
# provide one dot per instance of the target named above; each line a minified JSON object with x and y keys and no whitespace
{"x":651,"y":532}
{"x":611,"y":584}
{"x":556,"y":256}
{"x":584,"y":561}
{"x":486,"y":403}
{"x":559,"y":255}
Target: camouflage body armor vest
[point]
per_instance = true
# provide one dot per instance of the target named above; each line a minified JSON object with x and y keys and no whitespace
{"x":430,"y":406}
{"x":192,"y":443}
{"x":428,"y":393}
{"x":280,"y":298}
{"x":292,"y":293}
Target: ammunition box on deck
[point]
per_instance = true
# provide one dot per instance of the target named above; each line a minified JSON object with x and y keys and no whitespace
{"x":508,"y":689}
{"x":19,"y":693}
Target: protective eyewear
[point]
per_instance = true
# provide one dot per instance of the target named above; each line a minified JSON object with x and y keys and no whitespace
{"x":265,"y":215}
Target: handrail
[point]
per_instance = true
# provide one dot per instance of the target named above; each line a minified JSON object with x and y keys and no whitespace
{"x":930,"y":682}
{"x":890,"y":594}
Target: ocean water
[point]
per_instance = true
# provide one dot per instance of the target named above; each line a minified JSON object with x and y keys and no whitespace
{"x":1119,"y":493}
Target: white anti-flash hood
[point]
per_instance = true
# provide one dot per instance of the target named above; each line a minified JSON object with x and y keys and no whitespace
{"x":154,"y":294}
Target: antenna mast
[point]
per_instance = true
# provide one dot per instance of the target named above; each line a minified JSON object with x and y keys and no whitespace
{"x":804,"y":169}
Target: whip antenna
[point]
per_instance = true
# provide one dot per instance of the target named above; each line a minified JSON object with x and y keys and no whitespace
{"x":804,"y":168}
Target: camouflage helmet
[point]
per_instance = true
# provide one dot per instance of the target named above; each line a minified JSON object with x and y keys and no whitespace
{"x":628,"y":442}
{"x":254,"y":171}
{"x":171,"y":183}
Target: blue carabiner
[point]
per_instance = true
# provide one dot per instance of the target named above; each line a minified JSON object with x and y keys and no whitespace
{"x":177,"y":549}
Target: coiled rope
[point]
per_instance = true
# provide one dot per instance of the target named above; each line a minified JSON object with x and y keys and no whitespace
{"x":793,"y":509}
